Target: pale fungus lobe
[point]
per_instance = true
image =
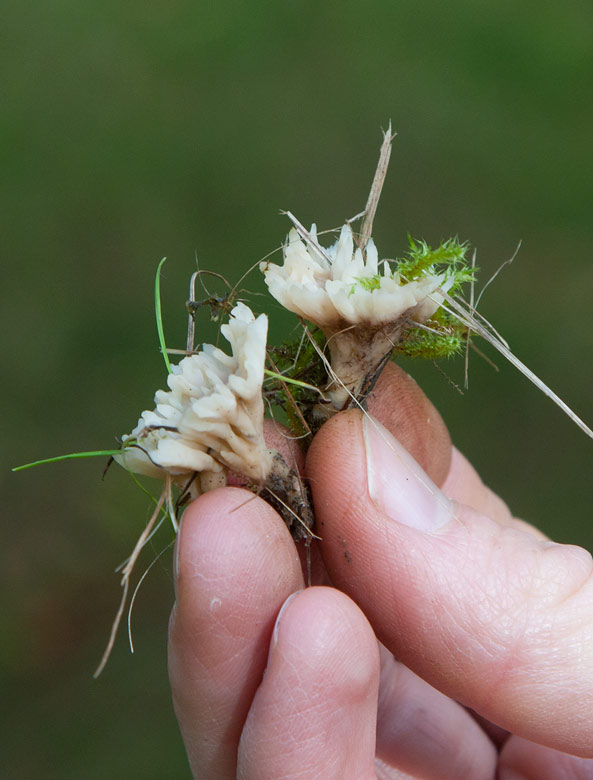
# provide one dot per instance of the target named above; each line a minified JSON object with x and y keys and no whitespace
{"x":362,"y":305}
{"x":211,"y":418}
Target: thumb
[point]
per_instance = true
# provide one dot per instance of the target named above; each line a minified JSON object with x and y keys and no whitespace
{"x":493,"y":616}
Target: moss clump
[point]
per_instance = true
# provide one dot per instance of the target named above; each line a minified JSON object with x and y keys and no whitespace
{"x":449,"y":257}
{"x":299,"y":363}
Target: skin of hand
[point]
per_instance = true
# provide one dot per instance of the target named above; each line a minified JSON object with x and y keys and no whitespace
{"x":444,"y":617}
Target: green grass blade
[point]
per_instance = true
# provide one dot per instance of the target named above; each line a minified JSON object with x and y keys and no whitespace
{"x":95,"y":454}
{"x":139,"y":484}
{"x":159,"y":315}
{"x":289,"y":381}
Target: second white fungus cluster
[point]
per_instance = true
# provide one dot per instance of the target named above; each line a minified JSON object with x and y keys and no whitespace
{"x":345,"y":286}
{"x":211,"y":418}
{"x":361,"y":304}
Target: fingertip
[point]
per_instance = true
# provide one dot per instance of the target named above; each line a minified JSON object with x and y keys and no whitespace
{"x":325,"y":627}
{"x":234,"y":557}
{"x":237,"y":565}
{"x":228,"y":531}
{"x":315,"y":711}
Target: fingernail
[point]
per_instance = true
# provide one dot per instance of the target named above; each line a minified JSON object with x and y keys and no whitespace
{"x":274,"y":639}
{"x":397,"y":484}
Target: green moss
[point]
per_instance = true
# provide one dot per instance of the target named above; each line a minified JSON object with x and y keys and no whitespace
{"x":449,"y":258}
{"x":298,"y":360}
{"x":419,"y":343}
{"x":369,"y":283}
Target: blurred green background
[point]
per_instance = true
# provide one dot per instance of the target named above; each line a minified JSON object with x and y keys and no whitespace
{"x":135,"y":130}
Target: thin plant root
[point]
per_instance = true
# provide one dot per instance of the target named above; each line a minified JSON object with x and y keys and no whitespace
{"x":125,"y":580}
{"x":137,"y":588}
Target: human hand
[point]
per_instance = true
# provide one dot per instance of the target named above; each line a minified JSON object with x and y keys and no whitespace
{"x":479,"y":610}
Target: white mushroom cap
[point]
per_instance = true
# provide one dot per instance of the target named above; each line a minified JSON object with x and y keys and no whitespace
{"x":299,"y":284}
{"x":330,"y":294}
{"x":159,"y":451}
{"x":363,"y":312}
{"x":212,"y":415}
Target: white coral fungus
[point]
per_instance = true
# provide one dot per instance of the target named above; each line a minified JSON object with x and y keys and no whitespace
{"x":342,"y":285}
{"x":360,"y":303}
{"x":211,"y":418}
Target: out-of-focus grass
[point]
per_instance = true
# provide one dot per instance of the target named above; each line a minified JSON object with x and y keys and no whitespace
{"x":134,"y":131}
